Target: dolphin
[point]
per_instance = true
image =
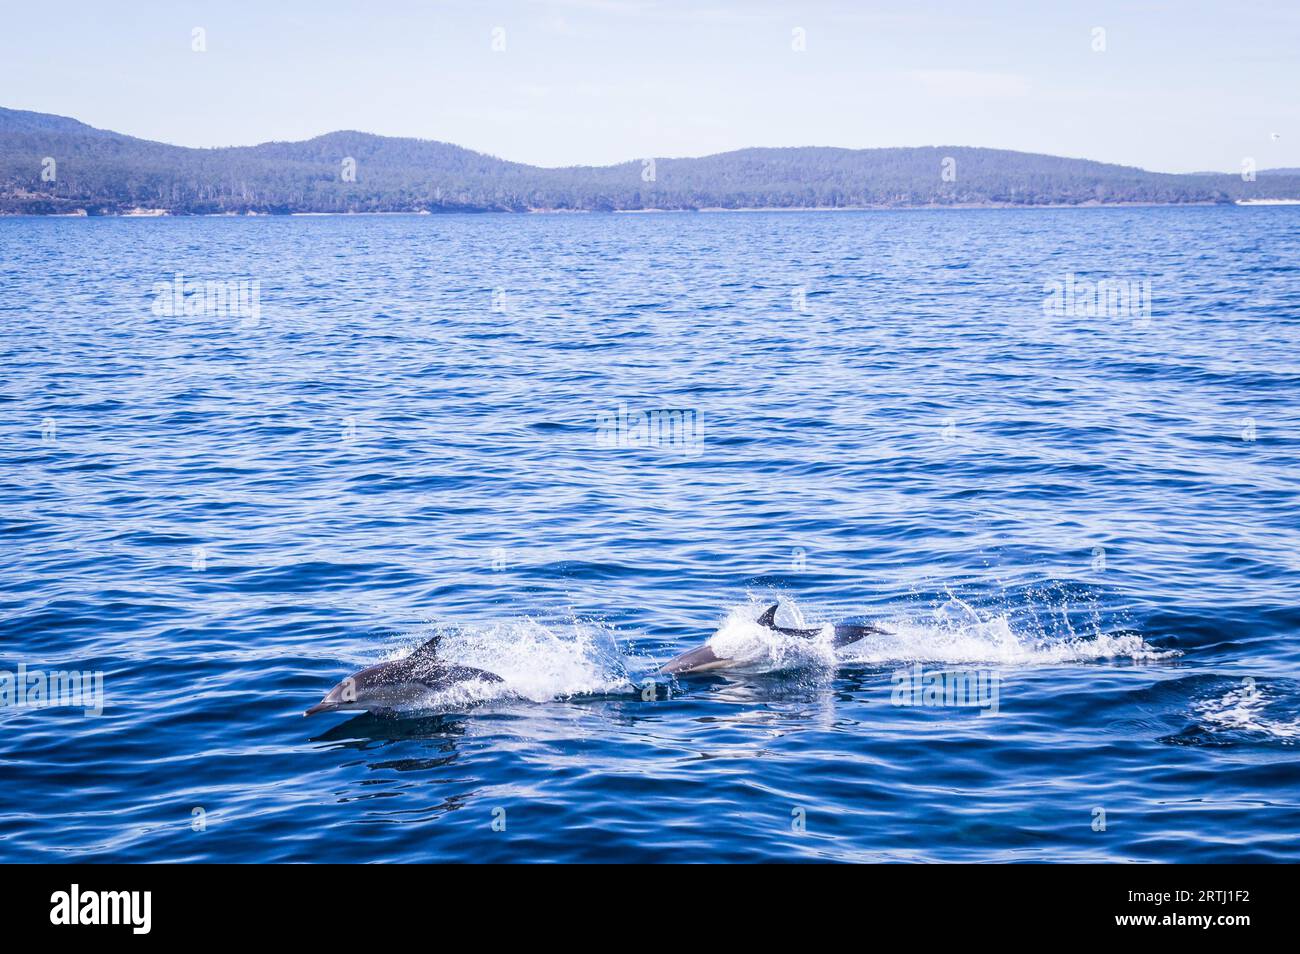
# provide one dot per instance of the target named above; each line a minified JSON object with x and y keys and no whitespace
{"x":703,"y":658}
{"x":400,"y":684}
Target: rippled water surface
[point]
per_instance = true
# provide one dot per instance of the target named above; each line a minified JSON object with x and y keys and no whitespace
{"x":1094,"y":516}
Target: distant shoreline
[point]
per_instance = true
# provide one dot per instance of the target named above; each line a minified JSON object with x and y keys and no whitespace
{"x":712,"y":210}
{"x":54,"y":165}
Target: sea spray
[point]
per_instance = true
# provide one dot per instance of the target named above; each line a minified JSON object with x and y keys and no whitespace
{"x":956,"y":632}
{"x":539,"y":661}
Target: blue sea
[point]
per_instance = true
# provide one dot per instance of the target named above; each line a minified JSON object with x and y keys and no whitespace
{"x":241,"y":458}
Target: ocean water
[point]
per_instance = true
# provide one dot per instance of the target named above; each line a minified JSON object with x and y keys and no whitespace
{"x":1080,"y":524}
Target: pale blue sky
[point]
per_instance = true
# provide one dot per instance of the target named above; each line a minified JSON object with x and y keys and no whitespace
{"x":1181,"y":86}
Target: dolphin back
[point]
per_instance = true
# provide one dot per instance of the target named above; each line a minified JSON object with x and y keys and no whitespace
{"x":445,"y":675}
{"x":846,"y":633}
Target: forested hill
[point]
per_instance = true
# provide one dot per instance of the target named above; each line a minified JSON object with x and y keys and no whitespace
{"x":52,"y":164}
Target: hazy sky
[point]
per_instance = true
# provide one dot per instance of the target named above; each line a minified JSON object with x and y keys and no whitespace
{"x":1180,"y":86}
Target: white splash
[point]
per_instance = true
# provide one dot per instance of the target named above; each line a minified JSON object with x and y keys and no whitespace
{"x":955,"y":633}
{"x":756,"y":647}
{"x":535,"y":661}
{"x":1245,"y":708}
{"x":993,"y":641}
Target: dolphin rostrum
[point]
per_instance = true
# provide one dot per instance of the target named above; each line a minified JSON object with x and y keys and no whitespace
{"x":404,"y":683}
{"x":703,"y":657}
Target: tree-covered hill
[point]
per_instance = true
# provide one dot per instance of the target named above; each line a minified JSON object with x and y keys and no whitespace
{"x":52,"y":164}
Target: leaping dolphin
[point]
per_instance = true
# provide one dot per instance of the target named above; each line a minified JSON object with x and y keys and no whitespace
{"x":404,"y":683}
{"x":704,"y":658}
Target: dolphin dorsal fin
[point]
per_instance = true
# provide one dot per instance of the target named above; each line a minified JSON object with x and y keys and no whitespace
{"x":429,"y":649}
{"x":768,"y":618}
